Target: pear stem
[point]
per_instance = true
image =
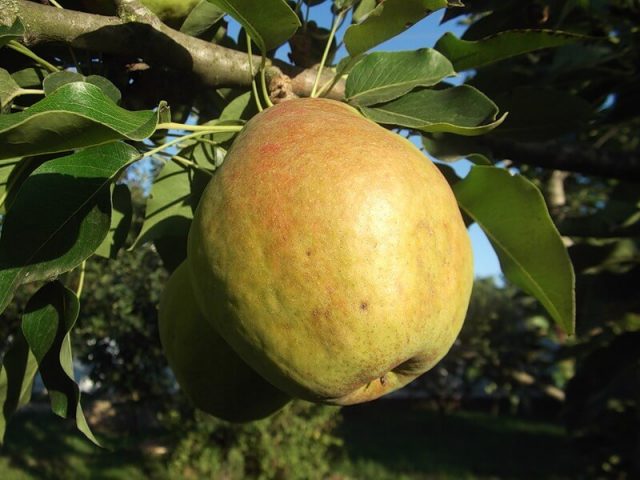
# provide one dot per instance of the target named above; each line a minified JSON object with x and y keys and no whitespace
{"x":254,"y":87}
{"x":336,"y":22}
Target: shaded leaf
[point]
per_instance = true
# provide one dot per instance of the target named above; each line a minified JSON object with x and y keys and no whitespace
{"x":462,"y":110}
{"x":383,"y":76}
{"x":172,"y":251}
{"x":13,"y":32}
{"x":49,"y":317}
{"x":449,"y":147}
{"x":17,"y":372}
{"x":30,"y":77}
{"x":39,"y":241}
{"x":16,"y":174}
{"x":75,"y":115}
{"x":513,"y":214}
{"x":541,"y":113}
{"x":6,"y":168}
{"x":173,"y":199}
{"x":387,"y":20}
{"x":270,"y":23}
{"x":121,"y":216}
{"x":465,"y":54}
{"x":9,"y":89}
{"x":479,"y":159}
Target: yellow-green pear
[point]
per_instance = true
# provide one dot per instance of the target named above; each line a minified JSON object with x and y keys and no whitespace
{"x":211,"y":374}
{"x":330,"y":253}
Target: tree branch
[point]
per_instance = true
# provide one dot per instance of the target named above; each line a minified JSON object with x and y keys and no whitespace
{"x":573,"y":157}
{"x":140,"y":35}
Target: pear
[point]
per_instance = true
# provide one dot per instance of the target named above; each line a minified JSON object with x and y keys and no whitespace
{"x":211,"y":374}
{"x":330,"y":253}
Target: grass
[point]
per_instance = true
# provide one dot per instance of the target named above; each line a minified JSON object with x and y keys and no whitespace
{"x":39,"y":445}
{"x":382,"y":440}
{"x":404,"y":441}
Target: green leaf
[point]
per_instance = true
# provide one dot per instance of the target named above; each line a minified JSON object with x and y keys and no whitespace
{"x":465,"y":54}
{"x":13,"y":172}
{"x":387,"y":20}
{"x":6,"y":167}
{"x":49,"y":317}
{"x":479,"y":159}
{"x":243,"y":107}
{"x":173,"y":199}
{"x":75,"y":115}
{"x":338,"y":5}
{"x":462,"y":110}
{"x":203,"y":16}
{"x":449,"y":147}
{"x":513,"y":214}
{"x":31,"y":77}
{"x":363,"y":9}
{"x":172,"y":250}
{"x":541,"y":113}
{"x":56,"y":80}
{"x":121,"y":216}
{"x":268,"y":22}
{"x":9,"y":89}
{"x":18,"y":370}
{"x":13,"y":32}
{"x":383,"y":76}
{"x":60,"y":215}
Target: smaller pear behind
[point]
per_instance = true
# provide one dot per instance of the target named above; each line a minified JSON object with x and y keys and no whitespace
{"x":212,"y":375}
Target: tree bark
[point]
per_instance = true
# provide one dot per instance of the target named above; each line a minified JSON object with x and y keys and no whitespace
{"x":140,"y":33}
{"x":572,"y":157}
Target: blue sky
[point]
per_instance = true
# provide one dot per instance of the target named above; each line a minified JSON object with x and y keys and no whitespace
{"x":422,"y":35}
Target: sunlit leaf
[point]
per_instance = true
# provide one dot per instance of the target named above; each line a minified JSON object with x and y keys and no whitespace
{"x":387,"y":20}
{"x":203,"y":16}
{"x":269,"y":22}
{"x":55,"y":80}
{"x":383,"y":76}
{"x":75,"y":115}
{"x":513,"y":214}
{"x":462,"y":110}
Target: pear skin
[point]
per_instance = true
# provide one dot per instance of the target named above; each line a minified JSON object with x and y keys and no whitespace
{"x":331,"y":254}
{"x":211,"y":374}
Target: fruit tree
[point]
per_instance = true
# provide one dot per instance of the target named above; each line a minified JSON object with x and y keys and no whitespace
{"x":305,"y":204}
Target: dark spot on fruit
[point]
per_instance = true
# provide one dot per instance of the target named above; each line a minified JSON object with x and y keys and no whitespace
{"x":364,"y":306}
{"x":383,"y":380}
{"x":408,"y":24}
{"x":308,"y":252}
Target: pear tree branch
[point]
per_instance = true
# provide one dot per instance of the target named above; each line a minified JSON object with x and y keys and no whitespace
{"x":136,"y":31}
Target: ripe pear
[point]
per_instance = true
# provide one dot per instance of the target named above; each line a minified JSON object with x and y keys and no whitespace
{"x":330,"y":253}
{"x":211,"y":374}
